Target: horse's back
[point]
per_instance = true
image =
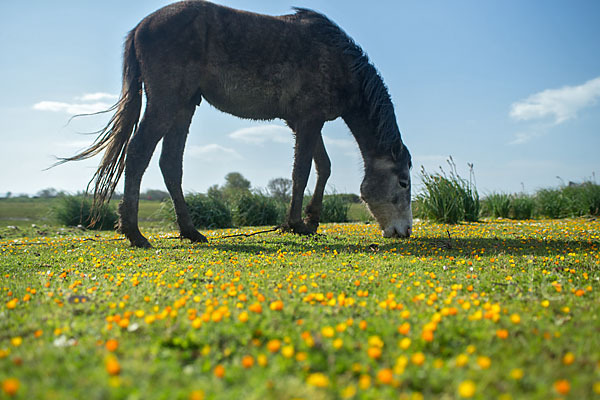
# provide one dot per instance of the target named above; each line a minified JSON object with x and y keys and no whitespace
{"x":250,"y":65}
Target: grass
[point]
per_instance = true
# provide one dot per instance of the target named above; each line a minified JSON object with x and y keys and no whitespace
{"x":476,"y":310}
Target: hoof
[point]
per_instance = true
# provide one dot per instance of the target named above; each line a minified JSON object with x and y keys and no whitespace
{"x":195,"y":237}
{"x":299,"y":228}
{"x":141,"y":243}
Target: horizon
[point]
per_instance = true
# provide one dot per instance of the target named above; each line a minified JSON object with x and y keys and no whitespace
{"x":511,"y":87}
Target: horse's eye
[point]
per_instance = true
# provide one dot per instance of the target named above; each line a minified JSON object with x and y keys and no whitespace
{"x":403,"y":184}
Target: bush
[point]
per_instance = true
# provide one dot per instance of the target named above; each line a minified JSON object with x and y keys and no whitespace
{"x":256,"y":210}
{"x":206,"y":212}
{"x":449,"y":199}
{"x":583,"y":199}
{"x":521,"y":206}
{"x":552,"y":203}
{"x":77,"y":210}
{"x":498,"y":205}
{"x":335,"y":208}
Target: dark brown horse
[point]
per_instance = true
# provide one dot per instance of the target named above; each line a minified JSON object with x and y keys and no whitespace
{"x":301,"y":68}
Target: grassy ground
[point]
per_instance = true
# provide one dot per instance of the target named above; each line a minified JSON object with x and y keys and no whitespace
{"x":22,"y":212}
{"x":498,"y":309}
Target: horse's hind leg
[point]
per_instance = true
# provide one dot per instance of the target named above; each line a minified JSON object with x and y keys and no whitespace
{"x":323,"y":167}
{"x":171,"y":165}
{"x":307,"y":136}
{"x":139,"y":151}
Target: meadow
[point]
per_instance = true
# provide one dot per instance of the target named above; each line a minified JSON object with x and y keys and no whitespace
{"x":499,"y":309}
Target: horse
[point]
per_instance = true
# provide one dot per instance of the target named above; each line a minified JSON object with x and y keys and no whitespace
{"x":301,"y":68}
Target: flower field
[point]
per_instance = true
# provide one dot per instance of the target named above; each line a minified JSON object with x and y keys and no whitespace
{"x":492,"y":310}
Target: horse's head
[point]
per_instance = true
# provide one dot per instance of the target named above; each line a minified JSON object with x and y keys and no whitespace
{"x":386,"y":190}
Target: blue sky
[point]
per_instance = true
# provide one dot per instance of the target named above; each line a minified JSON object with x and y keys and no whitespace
{"x":511,"y":86}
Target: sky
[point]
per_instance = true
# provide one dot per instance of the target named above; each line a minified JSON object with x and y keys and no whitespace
{"x":511,"y":86}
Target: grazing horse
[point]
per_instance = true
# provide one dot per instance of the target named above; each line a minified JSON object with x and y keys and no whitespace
{"x":301,"y":68}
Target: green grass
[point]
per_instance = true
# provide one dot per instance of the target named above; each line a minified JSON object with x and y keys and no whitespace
{"x":343,"y":314}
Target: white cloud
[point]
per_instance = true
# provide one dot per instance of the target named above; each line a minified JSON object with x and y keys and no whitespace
{"x":211,"y":152}
{"x":525,"y":137}
{"x":560,"y":104}
{"x":97,"y":96}
{"x":71,"y":108}
{"x":88,"y":103}
{"x":263,"y":133}
{"x":343,"y":143}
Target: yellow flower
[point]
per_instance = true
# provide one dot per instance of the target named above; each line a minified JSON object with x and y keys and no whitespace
{"x":318,"y":379}
{"x":418,"y":358}
{"x":287,"y":351}
{"x":196,"y":395}
{"x":484,"y":362}
{"x":516,"y":374}
{"x":515,"y":318}
{"x":461,"y":360}
{"x":327,"y":331}
{"x":404,"y":343}
{"x":466,"y":389}
{"x":568,"y":358}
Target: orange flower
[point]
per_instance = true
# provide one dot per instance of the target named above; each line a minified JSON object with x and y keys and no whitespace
{"x":404,"y":329}
{"x":197,"y":395}
{"x":562,"y":386}
{"x":10,"y":386}
{"x":247,"y":361}
{"x":274,"y":345}
{"x":256,"y":307}
{"x":374,"y":352}
{"x":112,"y":366}
{"x":502,"y":333}
{"x":427,"y":336}
{"x":219,"y":371}
{"x":277,"y":305}
{"x":385,"y":376}
{"x":111,"y":345}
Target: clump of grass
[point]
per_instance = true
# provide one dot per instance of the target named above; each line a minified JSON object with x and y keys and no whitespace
{"x":77,"y":210}
{"x":498,"y":205}
{"x":206,"y":211}
{"x":552,"y":203}
{"x":254,"y":209}
{"x":448,"y":198}
{"x":522,"y":206}
{"x":335,"y":209}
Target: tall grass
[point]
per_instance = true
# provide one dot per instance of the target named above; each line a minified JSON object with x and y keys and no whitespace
{"x":449,"y":198}
{"x":206,"y":211}
{"x":77,"y":210}
{"x":335,"y":208}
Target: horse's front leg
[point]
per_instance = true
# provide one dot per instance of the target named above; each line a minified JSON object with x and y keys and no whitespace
{"x":307,"y":136}
{"x":323,"y":167}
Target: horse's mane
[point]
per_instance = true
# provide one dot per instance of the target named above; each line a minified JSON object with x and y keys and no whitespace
{"x":374,"y":91}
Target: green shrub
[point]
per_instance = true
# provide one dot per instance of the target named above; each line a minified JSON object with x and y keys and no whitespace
{"x":583,"y":199}
{"x":206,"y":212}
{"x":256,"y":210}
{"x":521,"y":206}
{"x":498,"y":205}
{"x":552,"y":203}
{"x":449,"y":198}
{"x":335,"y":208}
{"x":77,"y":210}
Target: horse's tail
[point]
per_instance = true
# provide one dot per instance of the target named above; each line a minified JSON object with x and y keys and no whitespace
{"x":114,"y":138}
